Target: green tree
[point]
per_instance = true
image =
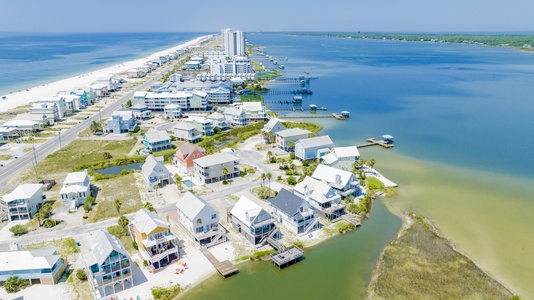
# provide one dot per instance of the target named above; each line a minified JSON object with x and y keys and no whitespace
{"x":269,"y":176}
{"x":263,"y":176}
{"x":155,"y":187}
{"x":49,"y":223}
{"x":118,"y":205}
{"x":18,"y":230}
{"x":123,"y":222}
{"x":14,"y":283}
{"x":148,"y":206}
{"x":225,"y":172}
{"x":95,"y":126}
{"x":291,"y":145}
{"x":291,"y":180}
{"x":80,"y":274}
{"x":106,"y":155}
{"x":128,"y":103}
{"x":372,"y":163}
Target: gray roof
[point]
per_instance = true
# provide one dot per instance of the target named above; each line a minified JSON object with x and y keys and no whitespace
{"x":288,"y":203}
{"x":153,"y":165}
{"x":215,"y":116}
{"x":215,"y":159}
{"x":292,"y":132}
{"x":191,"y":205}
{"x":156,"y":136}
{"x":102,"y":246}
{"x":318,"y":141}
{"x":184,"y":126}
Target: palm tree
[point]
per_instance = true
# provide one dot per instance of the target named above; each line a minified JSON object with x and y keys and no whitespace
{"x":362,"y":162}
{"x":291,"y":145}
{"x":269,"y":176}
{"x":95,"y":126}
{"x":225,"y":172}
{"x":118,"y":205}
{"x":372,"y":163}
{"x":263,"y":176}
{"x":156,"y":186}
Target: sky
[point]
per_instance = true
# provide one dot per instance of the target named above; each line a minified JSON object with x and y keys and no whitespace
{"x":269,"y":15}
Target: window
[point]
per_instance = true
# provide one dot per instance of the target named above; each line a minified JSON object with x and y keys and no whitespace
{"x":199,"y":221}
{"x":214,"y":216}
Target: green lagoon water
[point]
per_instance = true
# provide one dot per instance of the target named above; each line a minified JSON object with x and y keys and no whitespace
{"x":462,"y":119}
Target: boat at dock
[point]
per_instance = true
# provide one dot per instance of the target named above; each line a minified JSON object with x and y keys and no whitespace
{"x":313,"y":107}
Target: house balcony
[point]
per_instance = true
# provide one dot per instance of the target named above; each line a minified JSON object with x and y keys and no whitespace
{"x":156,"y":256}
{"x":115,"y":268}
{"x":333,"y":208}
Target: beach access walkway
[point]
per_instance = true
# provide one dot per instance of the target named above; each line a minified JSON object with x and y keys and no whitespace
{"x":374,"y":173}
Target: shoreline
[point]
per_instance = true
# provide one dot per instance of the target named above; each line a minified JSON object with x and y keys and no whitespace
{"x":50,"y":89}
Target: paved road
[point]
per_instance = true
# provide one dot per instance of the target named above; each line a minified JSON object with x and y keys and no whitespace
{"x":67,"y":136}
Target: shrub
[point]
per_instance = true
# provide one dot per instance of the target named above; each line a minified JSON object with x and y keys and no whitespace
{"x":123,"y":222}
{"x":135,"y":246}
{"x":292,"y":155}
{"x":80,"y":274}
{"x":291,"y":180}
{"x":48,"y":223}
{"x":225,"y":182}
{"x":19,"y":230}
{"x":305,"y":163}
{"x":117,"y":231}
{"x":162,"y":293}
{"x":14,"y":283}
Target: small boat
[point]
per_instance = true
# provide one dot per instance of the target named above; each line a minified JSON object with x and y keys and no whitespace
{"x":282,"y":67}
{"x":313,"y":107}
{"x":323,"y":108}
{"x":4,"y":97}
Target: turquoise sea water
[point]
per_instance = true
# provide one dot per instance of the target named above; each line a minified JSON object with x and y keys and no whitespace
{"x":31,"y":59}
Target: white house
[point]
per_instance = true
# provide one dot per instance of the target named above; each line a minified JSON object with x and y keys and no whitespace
{"x":321,"y":196}
{"x":216,"y":167}
{"x":121,"y":121}
{"x":156,"y":140}
{"x":343,"y":182}
{"x":22,"y":126}
{"x":23,"y":202}
{"x":76,"y":188}
{"x":48,"y":110}
{"x":348,"y":154}
{"x":252,"y":221}
{"x":184,"y":131}
{"x":254,"y":111}
{"x":141,"y":111}
{"x":236,"y":116}
{"x":108,"y":265}
{"x":313,"y":148}
{"x":283,"y":137}
{"x":154,"y":172}
{"x":273,"y":126}
{"x":42,"y":266}
{"x":218,"y":120}
{"x":293,"y":212}
{"x":200,"y":219}
{"x":59,"y":101}
{"x":172,"y":111}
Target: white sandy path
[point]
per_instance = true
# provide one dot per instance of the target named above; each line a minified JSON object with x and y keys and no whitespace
{"x":51,"y":89}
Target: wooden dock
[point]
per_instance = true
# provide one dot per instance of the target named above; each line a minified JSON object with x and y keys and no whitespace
{"x":226,"y":268}
{"x":286,"y":257}
{"x":373,"y":142}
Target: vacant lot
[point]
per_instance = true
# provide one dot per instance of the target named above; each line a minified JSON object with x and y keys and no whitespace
{"x":420,"y":264}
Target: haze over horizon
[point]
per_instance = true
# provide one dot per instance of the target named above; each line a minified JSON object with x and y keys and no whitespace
{"x":419,"y":16}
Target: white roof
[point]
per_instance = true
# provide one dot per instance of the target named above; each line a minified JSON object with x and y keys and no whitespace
{"x":246,"y":210}
{"x":17,"y":123}
{"x":308,"y":181}
{"x":176,"y":95}
{"x":270,"y":125}
{"x":172,"y":106}
{"x":184,"y":126}
{"x":139,"y":94}
{"x":126,"y":114}
{"x":328,"y":174}
{"x":146,"y":221}
{"x":292,"y":132}
{"x":102,"y":245}
{"x":200,"y":93}
{"x":350,"y":151}
{"x":154,"y":135}
{"x":233,"y":111}
{"x":23,"y":191}
{"x":74,"y":189}
{"x":76,"y":177}
{"x":28,"y":260}
{"x":318,"y":190}
{"x":329,"y":158}
{"x":215,"y":159}
{"x":191,"y":205}
{"x":216,"y":116}
{"x":252,"y":106}
{"x":318,"y":141}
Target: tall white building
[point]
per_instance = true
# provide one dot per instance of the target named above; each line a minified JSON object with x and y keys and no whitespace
{"x":233,"y":42}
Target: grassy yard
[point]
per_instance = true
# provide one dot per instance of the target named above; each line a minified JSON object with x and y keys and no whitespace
{"x":306,"y":126}
{"x":66,"y":247}
{"x":5,"y":157}
{"x":123,"y":188}
{"x":420,"y":264}
{"x":251,"y":98}
{"x":230,"y":138}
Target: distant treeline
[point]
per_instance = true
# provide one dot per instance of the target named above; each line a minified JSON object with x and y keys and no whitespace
{"x":525,"y":41}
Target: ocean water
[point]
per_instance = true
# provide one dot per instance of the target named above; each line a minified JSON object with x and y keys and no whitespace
{"x":461,"y":117}
{"x":31,"y":59}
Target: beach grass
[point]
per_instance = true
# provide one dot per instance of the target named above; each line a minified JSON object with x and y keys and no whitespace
{"x":421,"y":264}
{"x":5,"y":157}
{"x":123,"y":188}
{"x":66,"y":247}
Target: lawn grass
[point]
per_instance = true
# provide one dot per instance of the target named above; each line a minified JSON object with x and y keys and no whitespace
{"x":229,"y":139}
{"x":251,"y":98}
{"x":263,"y":192}
{"x":302,"y":125}
{"x":420,"y":264}
{"x":5,"y":157}
{"x":123,"y":188}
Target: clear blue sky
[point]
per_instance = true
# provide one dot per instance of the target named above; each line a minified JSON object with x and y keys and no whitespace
{"x":269,"y":15}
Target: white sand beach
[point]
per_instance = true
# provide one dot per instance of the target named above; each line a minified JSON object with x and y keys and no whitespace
{"x":24,"y":97}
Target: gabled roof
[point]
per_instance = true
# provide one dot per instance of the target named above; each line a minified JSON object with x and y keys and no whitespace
{"x":186,"y":149}
{"x":23,"y":191}
{"x":288,"y":203}
{"x":154,"y":135}
{"x":216,"y":116}
{"x":76,"y":177}
{"x":308,"y":182}
{"x":215,"y":159}
{"x":234,"y":111}
{"x":246,"y":211}
{"x":191,"y":205}
{"x":28,"y":259}
{"x":153,"y":165}
{"x":102,"y":245}
{"x":350,"y":151}
{"x":329,"y":158}
{"x":314,"y":142}
{"x":322,"y":193}
{"x":292,"y":132}
{"x":328,"y":174}
{"x":271,"y":124}
{"x":146,"y":221}
{"x":184,"y":126}
{"x":74,"y":189}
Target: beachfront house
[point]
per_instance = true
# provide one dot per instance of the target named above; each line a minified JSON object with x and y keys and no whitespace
{"x":200,"y":220}
{"x":273,"y":126}
{"x":121,"y":121}
{"x":8,"y":133}
{"x":46,"y":111}
{"x":216,"y":167}
{"x":155,"y":241}
{"x":293,"y":212}
{"x":155,"y":140}
{"x":38,"y":266}
{"x":155,"y":173}
{"x":236,"y":116}
{"x":107,"y":265}
{"x":23,"y":202}
{"x":72,"y":103}
{"x":76,"y":188}
{"x":284,"y":137}
{"x":184,"y":131}
{"x":141,"y":111}
{"x":251,"y":221}
{"x":59,"y":101}
{"x":172,"y":111}
{"x":184,"y":156}
{"x":322,"y":197}
{"x":218,"y":120}
{"x":343,"y":182}
{"x":158,"y":101}
{"x":313,"y":148}
{"x":346,"y":155}
{"x":22,"y":126}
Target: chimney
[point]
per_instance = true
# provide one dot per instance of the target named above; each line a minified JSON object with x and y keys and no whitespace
{"x":14,"y":246}
{"x":338,"y":179}
{"x":246,"y":215}
{"x":167,"y":218}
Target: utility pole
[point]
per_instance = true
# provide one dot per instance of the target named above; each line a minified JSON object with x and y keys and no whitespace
{"x":35,"y":163}
{"x":59,"y":134}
